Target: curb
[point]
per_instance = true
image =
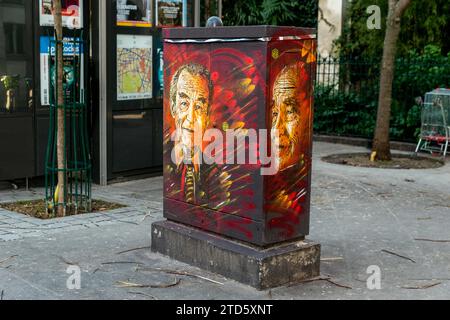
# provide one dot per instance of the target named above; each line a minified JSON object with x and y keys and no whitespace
{"x":362,"y":142}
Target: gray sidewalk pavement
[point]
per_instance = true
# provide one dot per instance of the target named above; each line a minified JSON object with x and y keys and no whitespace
{"x":360,"y":216}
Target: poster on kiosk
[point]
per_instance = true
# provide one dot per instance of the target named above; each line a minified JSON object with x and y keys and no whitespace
{"x":137,"y":13}
{"x":72,"y":13}
{"x":169,"y":13}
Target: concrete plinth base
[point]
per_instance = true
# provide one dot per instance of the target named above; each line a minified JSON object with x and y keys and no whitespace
{"x":262,"y":268}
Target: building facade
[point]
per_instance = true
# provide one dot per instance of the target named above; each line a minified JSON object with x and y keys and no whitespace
{"x":331,"y":23}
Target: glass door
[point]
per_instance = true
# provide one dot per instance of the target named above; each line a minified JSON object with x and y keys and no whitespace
{"x":16,"y":89}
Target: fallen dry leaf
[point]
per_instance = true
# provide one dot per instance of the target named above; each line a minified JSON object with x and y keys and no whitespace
{"x":125,"y":284}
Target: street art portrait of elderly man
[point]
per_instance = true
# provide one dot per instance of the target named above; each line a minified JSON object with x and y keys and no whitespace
{"x":290,"y":118}
{"x":191,"y":93}
{"x":286,"y":116}
{"x":190,"y":97}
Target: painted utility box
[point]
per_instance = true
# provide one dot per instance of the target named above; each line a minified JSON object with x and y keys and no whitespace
{"x":238,"y":120}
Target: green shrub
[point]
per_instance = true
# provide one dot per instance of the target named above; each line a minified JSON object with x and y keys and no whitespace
{"x":343,"y":113}
{"x":272,"y":12}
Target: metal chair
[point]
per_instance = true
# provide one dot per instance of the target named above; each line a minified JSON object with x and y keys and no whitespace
{"x":435,"y":129}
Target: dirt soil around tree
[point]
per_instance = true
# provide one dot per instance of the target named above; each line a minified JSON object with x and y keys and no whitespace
{"x":399,"y":161}
{"x":38,"y":209}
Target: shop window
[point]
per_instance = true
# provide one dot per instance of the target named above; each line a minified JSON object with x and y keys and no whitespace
{"x":14,"y":38}
{"x":16,"y":49}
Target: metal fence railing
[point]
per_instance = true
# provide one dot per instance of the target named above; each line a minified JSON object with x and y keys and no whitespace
{"x":347,"y":91}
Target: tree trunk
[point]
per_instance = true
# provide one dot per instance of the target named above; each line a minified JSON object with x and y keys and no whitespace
{"x":381,"y":143}
{"x":60,"y":142}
